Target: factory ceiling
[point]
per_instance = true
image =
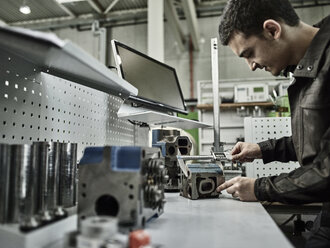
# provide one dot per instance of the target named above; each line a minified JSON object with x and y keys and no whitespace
{"x":52,"y":14}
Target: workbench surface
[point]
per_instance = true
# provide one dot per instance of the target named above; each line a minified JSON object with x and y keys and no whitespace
{"x":222,"y":222}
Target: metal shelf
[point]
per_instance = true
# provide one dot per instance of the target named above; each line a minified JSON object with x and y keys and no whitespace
{"x":235,"y":105}
{"x":157,"y":119}
{"x":62,"y":59}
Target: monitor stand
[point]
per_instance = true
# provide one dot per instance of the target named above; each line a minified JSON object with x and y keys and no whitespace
{"x":156,"y":119}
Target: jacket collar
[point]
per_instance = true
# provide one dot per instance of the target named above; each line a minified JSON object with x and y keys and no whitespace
{"x":308,"y":66}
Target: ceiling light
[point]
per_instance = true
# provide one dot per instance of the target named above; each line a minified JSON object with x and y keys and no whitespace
{"x":25,"y":9}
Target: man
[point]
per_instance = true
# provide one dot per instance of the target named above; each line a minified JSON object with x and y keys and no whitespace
{"x":269,"y":35}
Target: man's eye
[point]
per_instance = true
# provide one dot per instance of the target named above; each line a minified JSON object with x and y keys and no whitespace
{"x":249,"y":55}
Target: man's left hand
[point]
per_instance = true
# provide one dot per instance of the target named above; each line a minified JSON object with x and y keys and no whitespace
{"x":240,"y":187}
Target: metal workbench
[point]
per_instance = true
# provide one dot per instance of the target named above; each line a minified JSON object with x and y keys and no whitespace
{"x":223,"y":222}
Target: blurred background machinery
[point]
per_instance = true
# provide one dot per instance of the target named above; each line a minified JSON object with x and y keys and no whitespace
{"x":123,"y":182}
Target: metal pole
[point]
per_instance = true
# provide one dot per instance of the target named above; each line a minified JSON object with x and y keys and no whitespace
{"x":4,"y":181}
{"x":216,"y":100}
{"x":23,"y":187}
{"x":40,"y":158}
{"x":68,"y":175}
{"x":53,"y":174}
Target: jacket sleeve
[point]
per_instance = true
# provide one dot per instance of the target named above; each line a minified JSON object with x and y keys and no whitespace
{"x":310,"y":183}
{"x":278,"y":150}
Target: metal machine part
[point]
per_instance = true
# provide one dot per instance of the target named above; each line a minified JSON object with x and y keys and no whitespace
{"x":57,"y":183}
{"x":23,"y":187}
{"x":200,"y":180}
{"x":4,"y":181}
{"x":171,"y":144}
{"x":215,"y":156}
{"x":30,"y":182}
{"x":100,"y":232}
{"x":99,"y":227}
{"x":123,"y":182}
{"x":54,"y":152}
{"x":68,"y":175}
{"x":47,"y":157}
{"x":40,"y":161}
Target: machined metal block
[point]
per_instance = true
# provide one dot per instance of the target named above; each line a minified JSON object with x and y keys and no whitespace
{"x":202,"y":181}
{"x":123,"y":182}
{"x":172,"y":144}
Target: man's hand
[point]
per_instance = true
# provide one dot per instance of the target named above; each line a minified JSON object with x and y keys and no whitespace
{"x":245,"y":152}
{"x":240,"y":187}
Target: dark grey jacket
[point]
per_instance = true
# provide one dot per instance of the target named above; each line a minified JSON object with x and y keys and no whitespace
{"x":309,"y":96}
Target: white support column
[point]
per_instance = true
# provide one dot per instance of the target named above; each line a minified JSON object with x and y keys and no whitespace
{"x":216,"y":98}
{"x":102,"y":36}
{"x":191,"y":17}
{"x":173,"y":20}
{"x":156,"y":29}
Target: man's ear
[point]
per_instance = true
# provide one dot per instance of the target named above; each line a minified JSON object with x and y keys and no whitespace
{"x":272,"y":29}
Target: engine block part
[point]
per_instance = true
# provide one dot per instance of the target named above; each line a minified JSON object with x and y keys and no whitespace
{"x":172,"y":144}
{"x":123,"y":182}
{"x":202,"y":181}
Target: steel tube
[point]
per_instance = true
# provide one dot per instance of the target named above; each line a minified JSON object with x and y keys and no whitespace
{"x":53,"y":174}
{"x":40,"y":159}
{"x":216,"y":100}
{"x":23,"y":188}
{"x":4,"y":181}
{"x":68,"y":175}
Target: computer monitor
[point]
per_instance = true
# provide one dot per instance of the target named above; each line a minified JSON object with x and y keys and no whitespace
{"x":157,"y":83}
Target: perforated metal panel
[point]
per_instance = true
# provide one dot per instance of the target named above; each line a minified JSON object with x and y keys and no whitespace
{"x":260,"y":129}
{"x":35,"y":105}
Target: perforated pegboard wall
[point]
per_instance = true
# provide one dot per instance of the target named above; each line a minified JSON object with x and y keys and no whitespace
{"x":260,"y":129}
{"x":35,"y":105}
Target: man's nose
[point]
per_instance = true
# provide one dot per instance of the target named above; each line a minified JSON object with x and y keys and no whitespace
{"x":252,"y":65}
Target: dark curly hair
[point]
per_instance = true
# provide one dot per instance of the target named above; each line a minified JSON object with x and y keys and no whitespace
{"x":248,"y":16}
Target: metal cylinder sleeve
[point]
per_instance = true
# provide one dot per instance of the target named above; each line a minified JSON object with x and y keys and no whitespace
{"x":23,"y":187}
{"x":68,"y":175}
{"x":4,"y":181}
{"x":40,"y":161}
{"x":53,"y":174}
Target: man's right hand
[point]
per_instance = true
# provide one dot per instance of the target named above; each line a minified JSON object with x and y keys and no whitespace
{"x":245,"y":152}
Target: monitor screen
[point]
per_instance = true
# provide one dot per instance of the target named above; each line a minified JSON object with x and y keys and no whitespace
{"x":157,"y":83}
